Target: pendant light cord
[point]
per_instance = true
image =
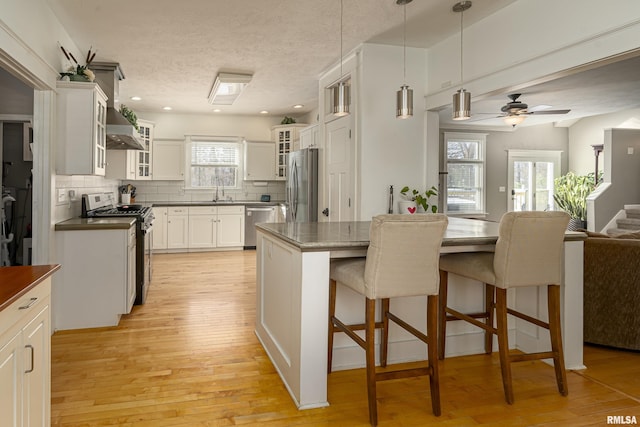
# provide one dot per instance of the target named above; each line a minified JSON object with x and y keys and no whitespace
{"x":341,"y":12}
{"x":404,"y":46}
{"x":461,"y":49}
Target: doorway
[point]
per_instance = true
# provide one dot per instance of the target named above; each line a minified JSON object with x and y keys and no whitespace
{"x":531,"y":179}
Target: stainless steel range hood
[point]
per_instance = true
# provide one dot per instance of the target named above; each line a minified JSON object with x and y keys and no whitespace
{"x":121,"y":135}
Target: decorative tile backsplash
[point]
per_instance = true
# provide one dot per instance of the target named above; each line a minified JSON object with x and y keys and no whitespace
{"x":81,"y":184}
{"x":174,"y":191}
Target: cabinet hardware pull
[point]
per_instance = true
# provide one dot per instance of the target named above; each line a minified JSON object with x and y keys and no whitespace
{"x":30,"y":347}
{"x":29,"y":304}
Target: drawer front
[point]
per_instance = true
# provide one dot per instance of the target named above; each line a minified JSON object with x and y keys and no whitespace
{"x":203,"y":210}
{"x":26,"y":305}
{"x":180,"y":210}
{"x":227,"y":210}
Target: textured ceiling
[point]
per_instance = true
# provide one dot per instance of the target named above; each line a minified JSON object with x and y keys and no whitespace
{"x":171,"y":51}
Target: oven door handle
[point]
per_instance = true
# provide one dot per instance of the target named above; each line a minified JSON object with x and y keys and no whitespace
{"x":148,"y":229}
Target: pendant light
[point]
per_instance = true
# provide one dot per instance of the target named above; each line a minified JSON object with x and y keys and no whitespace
{"x":341,"y":96}
{"x":404,"y":97}
{"x":462,"y":98}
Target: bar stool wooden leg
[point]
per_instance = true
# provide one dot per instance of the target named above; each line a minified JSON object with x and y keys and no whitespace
{"x":442,"y":313}
{"x":503,"y":343}
{"x":432,"y":352}
{"x":553,"y":294}
{"x":370,"y":331}
{"x":489,"y":308}
{"x":384,"y":341}
{"x":332,"y":313}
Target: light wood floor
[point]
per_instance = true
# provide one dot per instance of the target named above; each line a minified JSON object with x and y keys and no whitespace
{"x":189,"y":357}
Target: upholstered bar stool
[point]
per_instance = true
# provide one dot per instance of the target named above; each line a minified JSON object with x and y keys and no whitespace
{"x":529,"y":252}
{"x":402,"y":260}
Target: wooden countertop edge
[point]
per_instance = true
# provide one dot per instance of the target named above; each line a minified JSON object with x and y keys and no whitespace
{"x":19,"y":280}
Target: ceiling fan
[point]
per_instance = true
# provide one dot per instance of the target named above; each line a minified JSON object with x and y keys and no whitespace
{"x":515,"y":111}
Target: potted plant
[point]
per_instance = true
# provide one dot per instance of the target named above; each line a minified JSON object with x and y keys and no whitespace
{"x":414,"y":199}
{"x":570,"y":195}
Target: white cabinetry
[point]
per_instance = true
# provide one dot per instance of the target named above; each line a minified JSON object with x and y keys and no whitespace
{"x":285,"y":137}
{"x":25,"y":354}
{"x":178,"y":227}
{"x":259,"y":161}
{"x":168,"y":160}
{"x":82,"y":137}
{"x":159,"y":229}
{"x":122,"y":164}
{"x":203,"y":225}
{"x":143,"y":169}
{"x":230,"y":226}
{"x":98,"y":278}
{"x":309,"y":137}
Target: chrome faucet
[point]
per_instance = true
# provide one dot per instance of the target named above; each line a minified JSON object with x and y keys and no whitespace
{"x":215,"y":197}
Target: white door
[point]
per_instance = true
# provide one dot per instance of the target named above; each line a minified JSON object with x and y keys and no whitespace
{"x":531,"y":179}
{"x":339,"y":181}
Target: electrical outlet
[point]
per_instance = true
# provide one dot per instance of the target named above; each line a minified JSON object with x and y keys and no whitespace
{"x":62,"y":196}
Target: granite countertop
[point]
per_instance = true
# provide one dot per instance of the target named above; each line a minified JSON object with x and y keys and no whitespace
{"x":319,"y":236}
{"x":17,"y":281}
{"x":116,"y":223}
{"x":220,"y":203}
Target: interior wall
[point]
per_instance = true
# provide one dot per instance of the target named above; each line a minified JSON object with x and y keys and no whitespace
{"x":591,"y":131}
{"x":542,"y":137}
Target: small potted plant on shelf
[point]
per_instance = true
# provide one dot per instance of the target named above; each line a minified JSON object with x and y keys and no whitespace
{"x":414,"y":199}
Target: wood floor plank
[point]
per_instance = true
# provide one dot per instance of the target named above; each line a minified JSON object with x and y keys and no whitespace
{"x":190,"y":357}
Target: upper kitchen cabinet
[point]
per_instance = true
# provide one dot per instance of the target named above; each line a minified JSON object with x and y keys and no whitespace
{"x":259,"y":161}
{"x":168,"y":160}
{"x":82,"y":142}
{"x":286,"y":137}
{"x":143,"y":169}
{"x":309,"y":137}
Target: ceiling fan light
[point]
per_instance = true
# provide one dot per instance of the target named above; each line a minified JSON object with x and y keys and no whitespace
{"x":514,"y":119}
{"x":404,"y":102}
{"x":462,"y":105}
{"x":341,"y":99}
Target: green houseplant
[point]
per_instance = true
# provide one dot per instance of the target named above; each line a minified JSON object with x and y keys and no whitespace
{"x":421,"y":199}
{"x":570,"y":195}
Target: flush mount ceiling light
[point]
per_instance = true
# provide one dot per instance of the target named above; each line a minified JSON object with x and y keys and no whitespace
{"x":404,"y":97}
{"x":227,"y":87}
{"x":341,"y":96}
{"x":462,"y":98}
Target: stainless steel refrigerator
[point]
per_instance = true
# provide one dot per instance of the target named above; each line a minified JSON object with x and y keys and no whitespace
{"x":302,"y":186}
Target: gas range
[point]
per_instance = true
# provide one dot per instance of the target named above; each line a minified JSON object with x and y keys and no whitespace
{"x":103,"y":205}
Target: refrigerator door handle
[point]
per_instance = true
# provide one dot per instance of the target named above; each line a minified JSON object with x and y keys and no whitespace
{"x":294,"y":189}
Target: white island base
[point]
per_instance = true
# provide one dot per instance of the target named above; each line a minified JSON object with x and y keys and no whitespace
{"x":293,"y":295}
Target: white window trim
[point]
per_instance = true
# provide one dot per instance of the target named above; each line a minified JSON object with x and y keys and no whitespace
{"x":190,"y":139}
{"x":481,"y":138}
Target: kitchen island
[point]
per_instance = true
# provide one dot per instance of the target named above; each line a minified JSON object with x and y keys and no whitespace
{"x":293,"y":292}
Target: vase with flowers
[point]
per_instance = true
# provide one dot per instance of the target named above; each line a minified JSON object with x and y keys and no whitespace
{"x":77,"y":72}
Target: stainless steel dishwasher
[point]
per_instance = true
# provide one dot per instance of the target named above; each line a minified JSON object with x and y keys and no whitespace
{"x":254,"y":214}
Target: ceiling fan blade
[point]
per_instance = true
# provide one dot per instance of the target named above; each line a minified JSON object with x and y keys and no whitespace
{"x":548,"y":112}
{"x":474,"y":117}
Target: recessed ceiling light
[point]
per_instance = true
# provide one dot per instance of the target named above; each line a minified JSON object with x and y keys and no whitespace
{"x":136,"y":98}
{"x":167,"y":108}
{"x":217,"y":110}
{"x":298,"y":106}
{"x":264,"y":112}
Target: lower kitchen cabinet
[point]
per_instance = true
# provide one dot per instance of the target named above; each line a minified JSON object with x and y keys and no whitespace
{"x":25,"y":354}
{"x":159,"y":229}
{"x":198,"y":228}
{"x":178,"y":228}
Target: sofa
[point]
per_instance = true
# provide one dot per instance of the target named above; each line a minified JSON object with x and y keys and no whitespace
{"x":612,"y":290}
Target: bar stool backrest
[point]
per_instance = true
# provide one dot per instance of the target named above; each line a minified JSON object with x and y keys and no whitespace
{"x":530,"y":249}
{"x":403,"y":255}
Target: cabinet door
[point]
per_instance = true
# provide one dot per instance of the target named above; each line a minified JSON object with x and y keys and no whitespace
{"x":37,"y":376}
{"x":11,"y":379}
{"x":131,"y":272}
{"x":143,"y":170}
{"x":100,"y":138}
{"x":202,"y":231}
{"x":159,"y":229}
{"x":178,"y":231}
{"x":259,"y":161}
{"x":230,"y":230}
{"x":168,"y":160}
{"x":121,"y":164}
